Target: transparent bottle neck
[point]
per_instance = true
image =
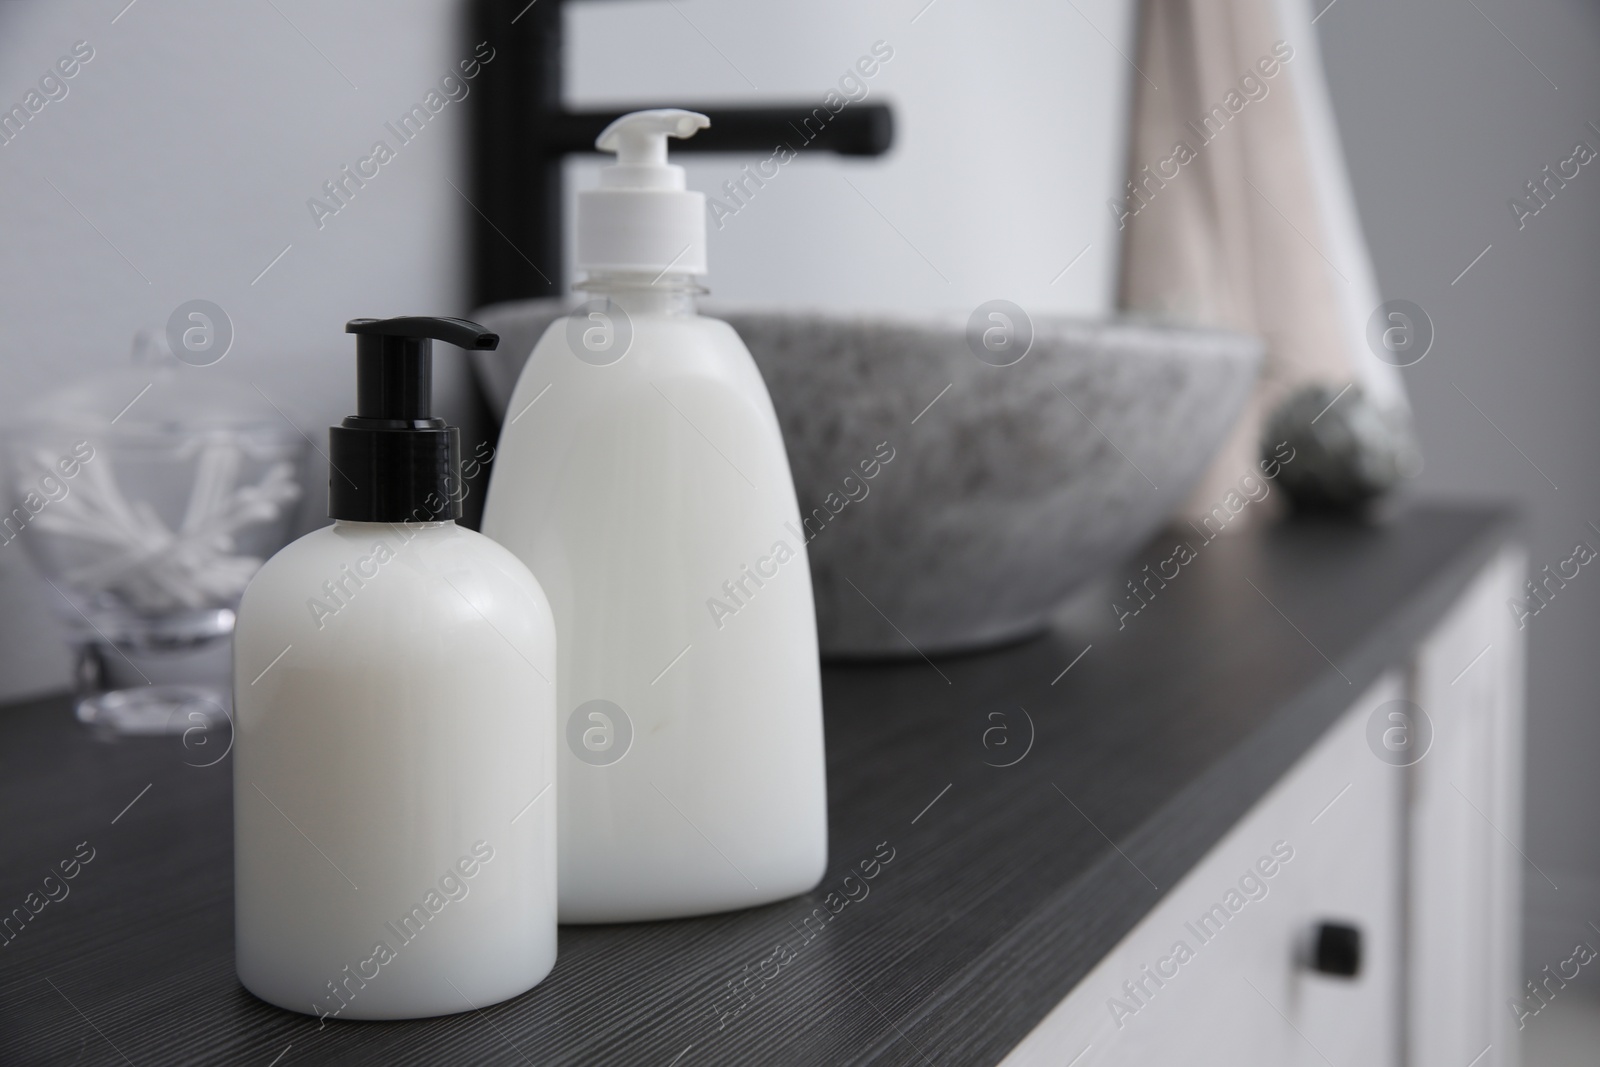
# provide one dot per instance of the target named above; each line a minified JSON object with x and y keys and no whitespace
{"x":644,"y":293}
{"x":362,"y":526}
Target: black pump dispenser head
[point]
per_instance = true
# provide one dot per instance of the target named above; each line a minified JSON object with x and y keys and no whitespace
{"x":393,"y":461}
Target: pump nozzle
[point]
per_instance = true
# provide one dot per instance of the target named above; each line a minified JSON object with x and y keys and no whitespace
{"x":393,"y":461}
{"x":640,"y":138}
{"x":642,"y":218}
{"x":394,"y":361}
{"x":458,"y":332}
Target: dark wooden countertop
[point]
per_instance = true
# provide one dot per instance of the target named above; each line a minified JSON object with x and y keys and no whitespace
{"x":1000,"y":895}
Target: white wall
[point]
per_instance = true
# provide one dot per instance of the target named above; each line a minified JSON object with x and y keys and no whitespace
{"x":195,"y":136}
{"x":1009,"y":140}
{"x":1444,"y":121}
{"x":192,"y":141}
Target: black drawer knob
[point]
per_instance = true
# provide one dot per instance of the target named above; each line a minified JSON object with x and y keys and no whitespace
{"x":1336,"y":949}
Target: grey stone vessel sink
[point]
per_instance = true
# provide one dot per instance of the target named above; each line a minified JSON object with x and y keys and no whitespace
{"x":1009,"y":487}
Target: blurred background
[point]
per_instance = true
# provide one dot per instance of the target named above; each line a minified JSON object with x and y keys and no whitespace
{"x":179,"y":164}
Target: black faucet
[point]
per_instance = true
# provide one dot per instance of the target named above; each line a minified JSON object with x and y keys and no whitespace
{"x":521,"y":132}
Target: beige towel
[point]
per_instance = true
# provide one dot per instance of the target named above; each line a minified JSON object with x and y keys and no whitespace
{"x":1237,"y":211}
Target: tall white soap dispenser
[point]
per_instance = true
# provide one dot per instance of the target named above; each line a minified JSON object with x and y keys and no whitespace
{"x":394,"y":754}
{"x":642,"y":476}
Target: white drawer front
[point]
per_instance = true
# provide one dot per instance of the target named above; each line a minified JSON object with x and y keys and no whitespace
{"x":1182,"y":988}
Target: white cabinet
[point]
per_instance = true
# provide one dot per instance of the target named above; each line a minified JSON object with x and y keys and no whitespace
{"x":1243,"y":998}
{"x":1416,"y":855}
{"x":1465,"y":853}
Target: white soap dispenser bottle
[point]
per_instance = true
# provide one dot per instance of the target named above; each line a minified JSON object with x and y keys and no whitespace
{"x":394,"y":753}
{"x":642,"y":477}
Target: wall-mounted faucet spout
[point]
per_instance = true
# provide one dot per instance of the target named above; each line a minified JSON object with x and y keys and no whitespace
{"x":521,"y":132}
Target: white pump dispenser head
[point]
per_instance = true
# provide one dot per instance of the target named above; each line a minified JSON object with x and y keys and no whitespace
{"x":642,"y":217}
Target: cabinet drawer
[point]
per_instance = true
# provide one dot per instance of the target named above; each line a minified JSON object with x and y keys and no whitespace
{"x":1215,"y":974}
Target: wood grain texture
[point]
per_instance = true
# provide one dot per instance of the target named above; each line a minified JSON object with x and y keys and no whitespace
{"x":999,"y":898}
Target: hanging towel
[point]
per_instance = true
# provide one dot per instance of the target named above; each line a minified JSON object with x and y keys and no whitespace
{"x":1238,"y":212}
